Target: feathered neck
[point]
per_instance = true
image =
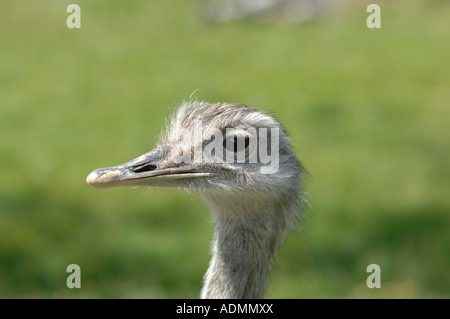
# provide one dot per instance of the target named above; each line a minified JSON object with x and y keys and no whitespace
{"x":246,"y":241}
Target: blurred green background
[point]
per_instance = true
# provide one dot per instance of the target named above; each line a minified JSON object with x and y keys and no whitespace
{"x":368,"y":111}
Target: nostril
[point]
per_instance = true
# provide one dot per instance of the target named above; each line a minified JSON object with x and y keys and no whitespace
{"x":145,"y":168}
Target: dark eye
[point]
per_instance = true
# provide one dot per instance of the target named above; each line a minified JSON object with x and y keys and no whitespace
{"x":234,"y":144}
{"x":247,"y":142}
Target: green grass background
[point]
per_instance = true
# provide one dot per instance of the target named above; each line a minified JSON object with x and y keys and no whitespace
{"x":368,"y":111}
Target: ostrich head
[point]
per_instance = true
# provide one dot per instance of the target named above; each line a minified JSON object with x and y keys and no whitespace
{"x":240,"y":160}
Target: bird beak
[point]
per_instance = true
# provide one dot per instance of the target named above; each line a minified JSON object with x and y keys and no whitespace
{"x":144,"y":171}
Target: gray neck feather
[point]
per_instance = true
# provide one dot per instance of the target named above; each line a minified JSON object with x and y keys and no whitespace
{"x":243,"y":250}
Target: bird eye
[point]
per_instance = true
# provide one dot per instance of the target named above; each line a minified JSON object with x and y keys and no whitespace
{"x":235,"y":143}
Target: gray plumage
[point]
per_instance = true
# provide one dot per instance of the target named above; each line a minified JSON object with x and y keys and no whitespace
{"x":253,"y":212}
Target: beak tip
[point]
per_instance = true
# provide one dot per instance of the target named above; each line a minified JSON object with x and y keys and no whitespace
{"x":103,"y":177}
{"x":91,"y":179}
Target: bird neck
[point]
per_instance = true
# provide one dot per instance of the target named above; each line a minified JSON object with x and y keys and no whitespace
{"x":244,"y":246}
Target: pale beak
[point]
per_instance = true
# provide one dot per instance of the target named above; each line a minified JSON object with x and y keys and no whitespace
{"x":144,"y":170}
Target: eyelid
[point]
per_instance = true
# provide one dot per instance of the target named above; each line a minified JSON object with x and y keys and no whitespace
{"x":237,"y":132}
